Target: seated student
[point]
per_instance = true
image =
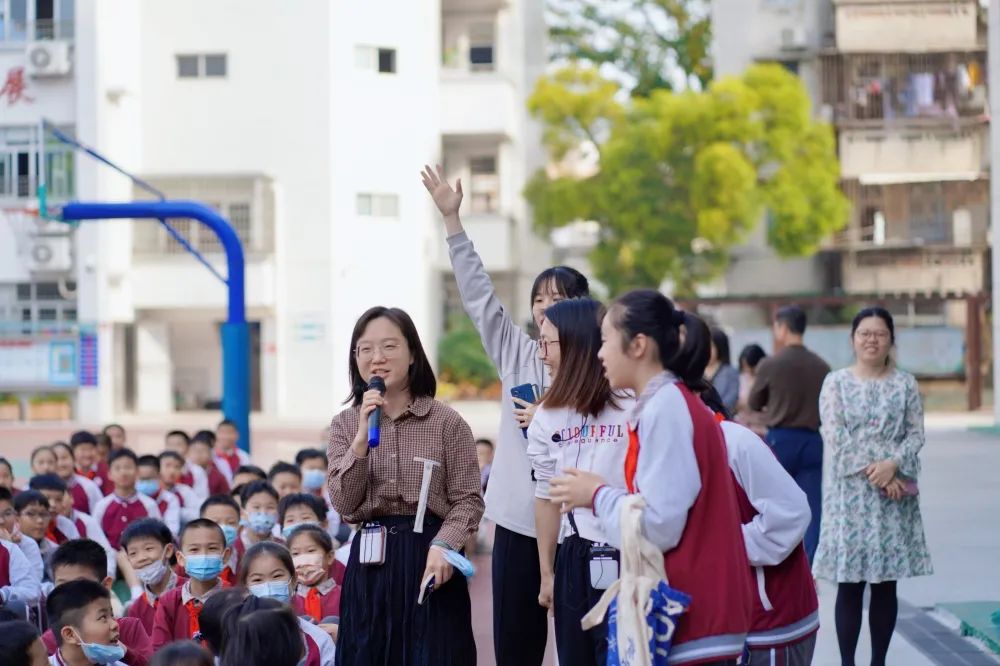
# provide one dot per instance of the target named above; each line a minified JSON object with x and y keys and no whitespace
{"x":20,"y":644}
{"x":84,"y":627}
{"x":10,"y":531}
{"x":212,"y":619}
{"x":260,"y":514}
{"x":43,"y":460}
{"x":270,"y":637}
{"x":312,"y":462}
{"x":225,"y":512}
{"x":294,"y":511}
{"x":19,"y":586}
{"x":286,"y":478}
{"x":7,"y":476}
{"x":33,"y":516}
{"x":193,"y":476}
{"x":267,"y":571}
{"x":227,"y":456}
{"x":149,"y":545}
{"x":84,"y":446}
{"x":124,"y":505}
{"x":83,"y":559}
{"x":103,"y":447}
{"x":317,"y":594}
{"x":171,"y":469}
{"x":203,"y":553}
{"x":248,"y":474}
{"x":200,"y":455}
{"x":86,"y":494}
{"x":149,"y":484}
{"x":116,"y":436}
{"x":183,"y":653}
{"x":68,"y":523}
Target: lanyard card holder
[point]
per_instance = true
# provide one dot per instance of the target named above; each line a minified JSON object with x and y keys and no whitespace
{"x":371,"y":550}
{"x":603,"y":566}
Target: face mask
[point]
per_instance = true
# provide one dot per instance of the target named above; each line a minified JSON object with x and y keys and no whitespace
{"x":230,"y":533}
{"x":262,"y":523}
{"x":152,"y":574}
{"x":313,"y":479}
{"x":309,"y":568}
{"x":203,"y":567}
{"x":272,"y":589}
{"x":98,"y":653}
{"x":147,"y":486}
{"x":457,"y":560}
{"x":289,"y":529}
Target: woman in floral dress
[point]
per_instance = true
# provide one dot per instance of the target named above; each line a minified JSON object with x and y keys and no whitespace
{"x":872,"y":532}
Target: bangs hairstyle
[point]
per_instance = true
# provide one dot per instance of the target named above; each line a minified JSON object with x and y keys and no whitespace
{"x":420,"y":380}
{"x":259,"y":549}
{"x":580,"y":382}
{"x":565,"y":281}
{"x":318,"y":535}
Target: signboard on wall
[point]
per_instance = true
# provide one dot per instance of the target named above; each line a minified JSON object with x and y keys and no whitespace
{"x":57,"y":362}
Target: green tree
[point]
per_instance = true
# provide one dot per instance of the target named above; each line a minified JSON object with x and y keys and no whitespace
{"x":461,"y":355}
{"x":685,"y":176}
{"x":651,"y":44}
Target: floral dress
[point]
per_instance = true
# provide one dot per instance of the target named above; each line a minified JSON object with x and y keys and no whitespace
{"x":865,"y":536}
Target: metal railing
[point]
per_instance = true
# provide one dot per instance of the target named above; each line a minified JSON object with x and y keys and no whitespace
{"x":37,"y":30}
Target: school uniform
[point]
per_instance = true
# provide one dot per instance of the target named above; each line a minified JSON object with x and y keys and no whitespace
{"x":144,"y":608}
{"x":114,"y":514}
{"x":170,"y":509}
{"x":61,"y":529}
{"x":98,"y":473}
{"x":775,"y":515}
{"x":17,"y":582}
{"x":189,"y":502}
{"x":86,"y":494}
{"x":380,"y":619}
{"x":217,"y":482}
{"x":176,"y":614}
{"x":228,"y":463}
{"x":138,"y":649}
{"x":88,"y":528}
{"x":336,"y":571}
{"x":195,"y":478}
{"x":677,"y":459}
{"x":29,"y":548}
{"x":318,"y":602}
{"x":320,"y":649}
{"x":559,"y":439}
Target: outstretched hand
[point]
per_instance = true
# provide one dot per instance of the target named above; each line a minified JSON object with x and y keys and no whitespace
{"x":447,"y":200}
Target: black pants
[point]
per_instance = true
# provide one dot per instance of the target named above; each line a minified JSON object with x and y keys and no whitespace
{"x":573,"y":597}
{"x":520,"y":626}
{"x":882,"y":609}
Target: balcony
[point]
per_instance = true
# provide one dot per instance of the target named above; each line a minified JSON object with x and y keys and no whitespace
{"x":914,"y":155}
{"x":477,"y":104}
{"x":915,"y":270}
{"x":880,"y":26}
{"x":14,"y":32}
{"x":493,"y":235}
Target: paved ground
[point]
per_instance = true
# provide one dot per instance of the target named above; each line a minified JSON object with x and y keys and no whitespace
{"x":960,"y":500}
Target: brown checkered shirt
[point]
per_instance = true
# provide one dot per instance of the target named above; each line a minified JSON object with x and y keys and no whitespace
{"x":386,"y":482}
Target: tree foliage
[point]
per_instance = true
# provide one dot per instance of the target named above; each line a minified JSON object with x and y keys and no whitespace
{"x":685,"y":176}
{"x":461,"y":356}
{"x":652,"y":44}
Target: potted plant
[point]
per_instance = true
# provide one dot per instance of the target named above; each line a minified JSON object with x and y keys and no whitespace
{"x":49,"y":407}
{"x":10,"y":407}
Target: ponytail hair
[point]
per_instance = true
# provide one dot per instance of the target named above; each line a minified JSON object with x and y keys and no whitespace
{"x":650,"y":313}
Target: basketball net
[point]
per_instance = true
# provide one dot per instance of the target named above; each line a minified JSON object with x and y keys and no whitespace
{"x":24,"y":225}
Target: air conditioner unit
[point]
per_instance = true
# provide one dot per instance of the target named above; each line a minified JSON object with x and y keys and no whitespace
{"x":49,"y":59}
{"x":50,"y":254}
{"x":794,"y":39}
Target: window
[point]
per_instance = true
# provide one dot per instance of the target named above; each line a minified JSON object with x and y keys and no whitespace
{"x":378,"y":205}
{"x":484,"y":184}
{"x":381,"y":60}
{"x":481,"y":41}
{"x":37,"y":302}
{"x":199,"y":65}
{"x":19,"y":163}
{"x":21,"y":20}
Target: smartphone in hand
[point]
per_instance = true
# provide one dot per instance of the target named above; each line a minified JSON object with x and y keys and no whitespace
{"x":528,"y":393}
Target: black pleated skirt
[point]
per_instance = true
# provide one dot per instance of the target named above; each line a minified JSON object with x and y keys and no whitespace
{"x":381,"y":623}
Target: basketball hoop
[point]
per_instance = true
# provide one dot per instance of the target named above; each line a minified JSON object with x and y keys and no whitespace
{"x":24,"y":224}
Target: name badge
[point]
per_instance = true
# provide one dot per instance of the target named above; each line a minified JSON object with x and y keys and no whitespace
{"x":371,"y":550}
{"x":603,"y":566}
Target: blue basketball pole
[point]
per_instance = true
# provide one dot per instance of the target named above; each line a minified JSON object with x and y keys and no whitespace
{"x":235,"y":332}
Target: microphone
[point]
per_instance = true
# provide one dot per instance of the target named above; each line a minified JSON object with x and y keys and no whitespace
{"x":376,"y":383}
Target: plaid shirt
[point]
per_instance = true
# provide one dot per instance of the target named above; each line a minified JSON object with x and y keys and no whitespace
{"x":386,"y":482}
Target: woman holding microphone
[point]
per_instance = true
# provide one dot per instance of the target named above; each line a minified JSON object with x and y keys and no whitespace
{"x":417,"y":498}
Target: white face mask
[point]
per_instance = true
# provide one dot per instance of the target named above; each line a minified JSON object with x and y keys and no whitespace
{"x":152,"y":574}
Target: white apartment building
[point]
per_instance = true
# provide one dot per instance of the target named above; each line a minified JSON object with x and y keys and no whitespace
{"x":306,"y":124}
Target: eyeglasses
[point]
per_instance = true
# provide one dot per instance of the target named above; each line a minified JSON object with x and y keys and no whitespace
{"x":877,"y":335}
{"x":367,"y":352}
{"x":8,"y":514}
{"x":543,"y":346}
{"x":37,"y":515}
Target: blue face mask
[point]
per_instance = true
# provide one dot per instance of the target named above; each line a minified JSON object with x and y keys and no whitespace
{"x":461,"y":563}
{"x":262,"y":523}
{"x":230,"y":533}
{"x":203,"y":567}
{"x":289,"y":529}
{"x":313,"y":479}
{"x":272,"y":589}
{"x":98,"y":653}
{"x":147,"y":486}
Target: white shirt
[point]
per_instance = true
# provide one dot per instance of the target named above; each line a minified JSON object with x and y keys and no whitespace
{"x":172,"y":514}
{"x":199,"y":480}
{"x":782,"y":509}
{"x":96,"y":533}
{"x":561,"y":438}
{"x":33,"y":555}
{"x":190,"y":503}
{"x":23,"y":585}
{"x":92,"y":490}
{"x":667,"y":473}
{"x":327,"y":650}
{"x":223,"y":465}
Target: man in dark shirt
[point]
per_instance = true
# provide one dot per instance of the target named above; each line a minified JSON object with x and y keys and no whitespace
{"x":787,"y":389}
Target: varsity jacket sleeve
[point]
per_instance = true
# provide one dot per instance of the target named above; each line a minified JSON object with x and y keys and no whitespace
{"x":667,"y":476}
{"x":96,"y":533}
{"x":138,"y":647}
{"x":93,"y":491}
{"x":172,"y":515}
{"x":99,"y":510}
{"x":152,"y":508}
{"x":199,"y":481}
{"x":782,"y":510}
{"x":23,"y":585}
{"x":192,"y":503}
{"x":33,"y":555}
{"x":504,"y":341}
{"x":543,"y":465}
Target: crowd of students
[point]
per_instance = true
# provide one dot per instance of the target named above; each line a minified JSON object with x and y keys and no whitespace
{"x":193,"y":556}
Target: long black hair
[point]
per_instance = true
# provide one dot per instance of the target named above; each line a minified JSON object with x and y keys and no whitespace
{"x":567,"y":282}
{"x":420,"y":381}
{"x":267,"y":637}
{"x":721,"y":343}
{"x":751,"y":355}
{"x":650,"y":313}
{"x":16,"y":638}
